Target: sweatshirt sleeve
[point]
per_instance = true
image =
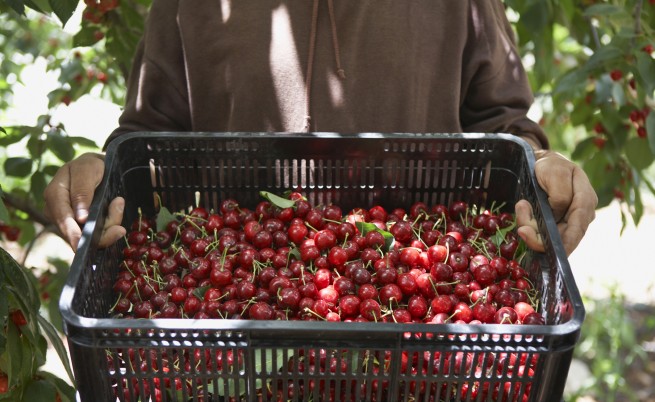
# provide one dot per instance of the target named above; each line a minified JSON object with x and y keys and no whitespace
{"x":157,"y":96}
{"x":496,"y":94}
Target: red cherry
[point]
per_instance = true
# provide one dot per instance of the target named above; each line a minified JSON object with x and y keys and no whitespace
{"x":533,"y":318}
{"x":505,"y":315}
{"x":349,"y":306}
{"x":4,"y":383}
{"x":260,"y":311}
{"x":12,"y":233}
{"x":458,"y":210}
{"x":616,"y":74}
{"x":370,"y":310}
{"x":18,"y":318}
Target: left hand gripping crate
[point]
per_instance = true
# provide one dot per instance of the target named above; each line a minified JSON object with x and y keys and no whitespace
{"x":235,"y":360}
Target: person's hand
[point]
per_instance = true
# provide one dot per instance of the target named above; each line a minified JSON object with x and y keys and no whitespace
{"x":68,"y":198}
{"x":570,"y":195}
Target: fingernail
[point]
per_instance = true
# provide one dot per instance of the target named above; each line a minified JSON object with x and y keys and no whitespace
{"x":81,"y":214}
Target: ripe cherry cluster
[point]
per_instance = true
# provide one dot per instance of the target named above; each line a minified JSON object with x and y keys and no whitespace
{"x":95,"y":10}
{"x":425,"y":264}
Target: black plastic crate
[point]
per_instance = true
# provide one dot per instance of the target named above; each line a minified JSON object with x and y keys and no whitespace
{"x":249,"y":360}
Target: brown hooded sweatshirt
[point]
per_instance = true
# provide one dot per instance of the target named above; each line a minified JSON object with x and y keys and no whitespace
{"x":344,"y":66}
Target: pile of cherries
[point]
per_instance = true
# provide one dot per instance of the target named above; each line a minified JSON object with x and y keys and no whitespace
{"x":434,"y":264}
{"x":291,"y":260}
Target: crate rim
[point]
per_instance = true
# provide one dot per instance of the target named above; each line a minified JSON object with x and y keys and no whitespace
{"x":72,"y":319}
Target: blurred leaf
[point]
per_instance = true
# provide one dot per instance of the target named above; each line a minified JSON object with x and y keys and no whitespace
{"x":16,"y":278}
{"x":4,"y":314}
{"x":603,"y":10}
{"x":17,"y":5}
{"x":50,"y":170}
{"x":40,"y":391}
{"x":618,"y":94}
{"x":85,"y":37}
{"x":650,"y":130}
{"x":573,"y":80}
{"x":14,"y":356}
{"x":64,"y":9}
{"x":638,"y":206}
{"x":4,"y":214}
{"x":61,"y":146}
{"x":37,"y":184}
{"x":15,"y":134}
{"x":646,"y":69}
{"x":57,"y":345}
{"x":602,"y":56}
{"x":66,"y":392}
{"x":83,"y":141}
{"x":639,"y":155}
{"x":18,"y":166}
{"x":585,"y":149}
{"x":581,"y":113}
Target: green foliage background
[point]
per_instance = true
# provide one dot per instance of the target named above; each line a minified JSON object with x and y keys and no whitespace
{"x":590,"y":64}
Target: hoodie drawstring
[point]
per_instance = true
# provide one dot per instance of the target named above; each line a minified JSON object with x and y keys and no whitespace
{"x":310,"y":57}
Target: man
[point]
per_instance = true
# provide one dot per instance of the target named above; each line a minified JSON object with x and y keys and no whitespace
{"x":330,"y":65}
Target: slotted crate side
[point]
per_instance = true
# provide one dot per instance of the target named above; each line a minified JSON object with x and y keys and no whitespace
{"x":230,"y":367}
{"x":390,"y":176}
{"x":392,"y":172}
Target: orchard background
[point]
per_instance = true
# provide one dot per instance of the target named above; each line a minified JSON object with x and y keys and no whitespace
{"x":590,"y":63}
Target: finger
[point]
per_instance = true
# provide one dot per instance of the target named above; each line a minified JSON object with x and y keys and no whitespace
{"x":527,"y":226}
{"x":524,"y":216}
{"x":111,"y":235}
{"x":571,"y":236}
{"x":582,"y":212}
{"x":531,"y":237}
{"x":554,"y":175}
{"x":112,"y":230}
{"x":58,"y":208}
{"x":83,"y":181}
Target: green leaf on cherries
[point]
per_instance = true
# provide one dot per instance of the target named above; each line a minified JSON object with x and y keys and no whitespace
{"x":295,"y":253}
{"x":521,"y":251}
{"x":365,"y":227}
{"x":277,"y":200}
{"x":200,"y":292}
{"x":499,"y":238}
{"x":164,"y":217}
